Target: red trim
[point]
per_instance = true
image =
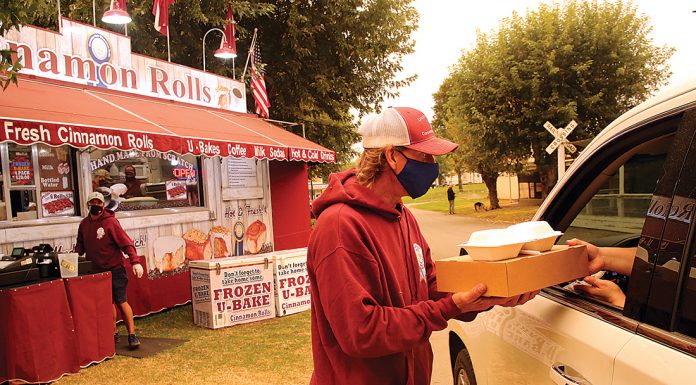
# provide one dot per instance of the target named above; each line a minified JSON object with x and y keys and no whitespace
{"x":55,"y":112}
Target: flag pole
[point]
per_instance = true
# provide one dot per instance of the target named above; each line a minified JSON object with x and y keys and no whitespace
{"x":169,"y":53}
{"x":251,"y":48}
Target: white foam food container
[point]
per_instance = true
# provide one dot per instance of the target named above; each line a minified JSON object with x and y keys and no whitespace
{"x":538,"y":235}
{"x":493,"y":245}
{"x":493,"y":253}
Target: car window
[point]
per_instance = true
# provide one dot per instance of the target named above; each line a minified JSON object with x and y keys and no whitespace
{"x":615,"y":214}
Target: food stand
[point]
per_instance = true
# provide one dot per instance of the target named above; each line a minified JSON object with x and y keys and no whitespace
{"x":210,"y":181}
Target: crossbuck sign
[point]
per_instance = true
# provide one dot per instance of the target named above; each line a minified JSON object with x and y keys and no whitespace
{"x":560,"y":143}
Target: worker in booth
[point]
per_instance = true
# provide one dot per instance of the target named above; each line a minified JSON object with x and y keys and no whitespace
{"x":135,"y":186}
{"x":103,"y":240}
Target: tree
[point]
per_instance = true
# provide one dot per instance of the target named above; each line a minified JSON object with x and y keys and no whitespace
{"x":587,"y":61}
{"x":324,"y":60}
{"x":482,"y":148}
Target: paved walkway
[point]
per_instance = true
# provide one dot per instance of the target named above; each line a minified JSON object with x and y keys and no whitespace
{"x":443,"y":233}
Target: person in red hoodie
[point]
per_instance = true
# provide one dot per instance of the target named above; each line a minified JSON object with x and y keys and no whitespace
{"x":373,"y":283}
{"x":102,"y":238}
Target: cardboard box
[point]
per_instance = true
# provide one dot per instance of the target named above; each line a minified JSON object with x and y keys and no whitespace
{"x":513,"y":276}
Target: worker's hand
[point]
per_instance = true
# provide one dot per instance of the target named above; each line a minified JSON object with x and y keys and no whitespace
{"x":595,"y":261}
{"x":138,"y":270}
{"x":604,"y":290}
{"x":472,"y":300}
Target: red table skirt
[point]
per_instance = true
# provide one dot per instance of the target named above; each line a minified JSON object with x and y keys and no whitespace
{"x":53,"y":328}
{"x":149,"y":295}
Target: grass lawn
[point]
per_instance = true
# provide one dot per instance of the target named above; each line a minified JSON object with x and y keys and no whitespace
{"x":275,"y":351}
{"x":436,"y":200}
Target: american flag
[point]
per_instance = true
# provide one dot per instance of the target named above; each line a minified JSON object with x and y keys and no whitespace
{"x":160,"y":9}
{"x":258,"y":83}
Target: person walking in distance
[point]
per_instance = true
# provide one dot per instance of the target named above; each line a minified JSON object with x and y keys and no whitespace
{"x":103,"y":240}
{"x":450,"y":199}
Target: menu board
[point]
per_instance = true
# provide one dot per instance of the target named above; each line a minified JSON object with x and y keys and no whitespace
{"x":21,"y":168}
{"x":55,"y":204}
{"x":55,"y":173}
{"x":241,"y":173}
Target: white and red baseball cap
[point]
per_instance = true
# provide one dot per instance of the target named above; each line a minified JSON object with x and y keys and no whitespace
{"x":403,"y":126}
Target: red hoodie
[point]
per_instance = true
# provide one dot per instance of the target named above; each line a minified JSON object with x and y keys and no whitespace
{"x":374,"y":303}
{"x":104,"y":241}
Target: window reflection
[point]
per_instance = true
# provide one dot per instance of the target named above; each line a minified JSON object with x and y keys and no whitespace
{"x":135,"y":180}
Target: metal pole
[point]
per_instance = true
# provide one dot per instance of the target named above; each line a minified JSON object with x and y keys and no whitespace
{"x":251,"y":47}
{"x":94,"y":13}
{"x":59,"y":18}
{"x":169,"y":52}
{"x":561,"y":161}
{"x":206,"y":35}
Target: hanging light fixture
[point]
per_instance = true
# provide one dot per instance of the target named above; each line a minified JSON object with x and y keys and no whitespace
{"x":225,"y":52}
{"x":117,"y":13}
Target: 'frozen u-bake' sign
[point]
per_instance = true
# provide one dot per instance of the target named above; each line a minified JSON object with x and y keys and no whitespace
{"x":88,"y":55}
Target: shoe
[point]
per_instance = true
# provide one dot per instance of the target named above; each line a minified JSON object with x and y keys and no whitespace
{"x":117,"y":339}
{"x":133,"y":342}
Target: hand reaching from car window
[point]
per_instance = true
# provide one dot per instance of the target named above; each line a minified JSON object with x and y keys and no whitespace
{"x":595,"y":261}
{"x":606,"y":291}
{"x":617,"y":259}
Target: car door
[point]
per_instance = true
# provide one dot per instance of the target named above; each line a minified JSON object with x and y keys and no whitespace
{"x":560,"y":337}
{"x":662,"y":289}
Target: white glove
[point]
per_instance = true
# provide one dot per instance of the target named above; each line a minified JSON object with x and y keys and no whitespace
{"x":138,"y":270}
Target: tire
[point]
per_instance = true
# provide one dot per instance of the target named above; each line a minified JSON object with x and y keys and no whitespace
{"x":463,"y":369}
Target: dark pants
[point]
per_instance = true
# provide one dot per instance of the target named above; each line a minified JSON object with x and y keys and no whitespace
{"x":119,"y":284}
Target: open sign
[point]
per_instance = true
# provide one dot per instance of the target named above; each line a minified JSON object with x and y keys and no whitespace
{"x":184,"y":173}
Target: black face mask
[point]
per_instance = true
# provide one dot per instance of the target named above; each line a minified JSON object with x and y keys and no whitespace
{"x":95,"y":210}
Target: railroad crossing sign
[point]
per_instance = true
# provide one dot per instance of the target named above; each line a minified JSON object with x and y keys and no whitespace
{"x":560,"y":136}
{"x":560,"y":143}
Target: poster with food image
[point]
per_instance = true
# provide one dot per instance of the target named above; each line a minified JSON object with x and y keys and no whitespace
{"x":249,"y":223}
{"x":21,"y":169}
{"x":55,"y":204}
{"x":176,"y":190}
{"x":197,"y":245}
{"x":256,"y":235}
{"x":169,"y":256}
{"x":54,"y":169}
{"x":220,"y":242}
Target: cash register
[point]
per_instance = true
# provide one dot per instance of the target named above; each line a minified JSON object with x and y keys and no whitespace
{"x":17,"y":267}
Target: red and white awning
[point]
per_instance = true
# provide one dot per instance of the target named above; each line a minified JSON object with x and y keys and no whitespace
{"x":57,"y":113}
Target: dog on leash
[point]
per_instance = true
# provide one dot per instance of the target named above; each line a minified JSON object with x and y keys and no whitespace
{"x":478,"y":206}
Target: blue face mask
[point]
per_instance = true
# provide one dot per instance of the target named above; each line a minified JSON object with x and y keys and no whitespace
{"x":417,"y":177}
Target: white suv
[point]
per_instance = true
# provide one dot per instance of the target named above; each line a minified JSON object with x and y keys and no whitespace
{"x":633,"y":185}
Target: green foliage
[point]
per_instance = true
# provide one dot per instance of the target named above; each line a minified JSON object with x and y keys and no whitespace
{"x":588,"y":61}
{"x":8,"y":68}
{"x":323,"y":60}
{"x":14,"y":13}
